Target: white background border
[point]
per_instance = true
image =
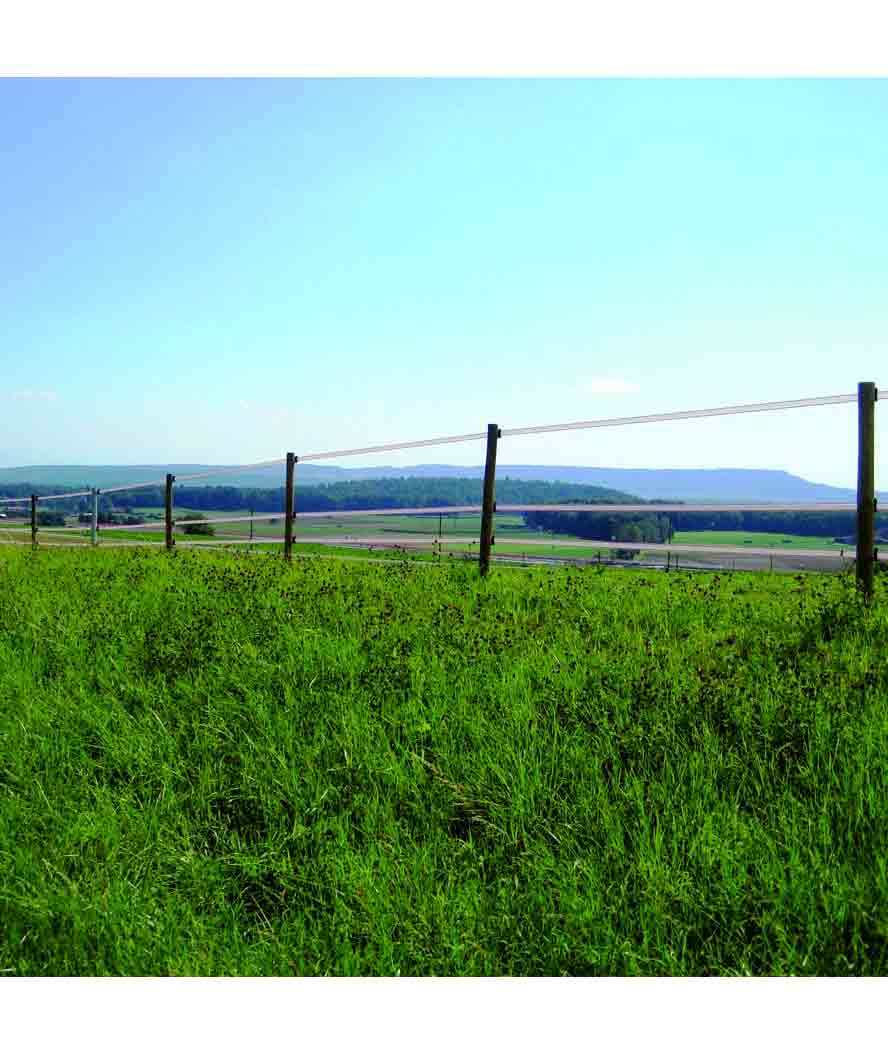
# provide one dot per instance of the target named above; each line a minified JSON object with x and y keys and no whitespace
{"x":452,"y":38}
{"x":384,"y":38}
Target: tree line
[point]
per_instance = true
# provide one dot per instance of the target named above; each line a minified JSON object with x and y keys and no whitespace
{"x":410,"y":492}
{"x":333,"y":497}
{"x":603,"y":526}
{"x":661,"y":527}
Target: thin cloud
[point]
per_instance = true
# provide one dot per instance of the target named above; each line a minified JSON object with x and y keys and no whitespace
{"x":34,"y":396}
{"x":611,"y":386}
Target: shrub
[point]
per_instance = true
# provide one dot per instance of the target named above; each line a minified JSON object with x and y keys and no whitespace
{"x":203,"y":528}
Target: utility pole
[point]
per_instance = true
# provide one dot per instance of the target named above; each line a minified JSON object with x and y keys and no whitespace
{"x":288,"y":508}
{"x":168,"y":511}
{"x":866,"y":491}
{"x":488,"y":500}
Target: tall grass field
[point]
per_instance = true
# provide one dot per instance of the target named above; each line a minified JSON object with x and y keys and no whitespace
{"x":216,"y":763}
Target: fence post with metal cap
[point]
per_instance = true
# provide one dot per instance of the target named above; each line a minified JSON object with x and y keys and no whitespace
{"x":94,"y":518}
{"x":33,"y":519}
{"x":168,"y":511}
{"x":288,"y":506}
{"x":488,"y":500}
{"x":866,"y":486}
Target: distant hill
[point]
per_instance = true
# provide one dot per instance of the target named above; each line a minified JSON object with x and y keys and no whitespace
{"x":687,"y":484}
{"x":349,"y":495}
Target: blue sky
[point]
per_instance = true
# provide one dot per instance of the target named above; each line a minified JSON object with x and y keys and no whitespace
{"x":221,"y":270}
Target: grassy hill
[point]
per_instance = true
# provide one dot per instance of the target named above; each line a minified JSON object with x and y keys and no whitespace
{"x":224,"y":765}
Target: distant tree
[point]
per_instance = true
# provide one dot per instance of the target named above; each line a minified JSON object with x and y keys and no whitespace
{"x":630,"y":532}
{"x":46,"y":517}
{"x":203,"y":528}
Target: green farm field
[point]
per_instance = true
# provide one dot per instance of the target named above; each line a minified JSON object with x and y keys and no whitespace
{"x":392,"y":530}
{"x":760,"y":540}
{"x":215,"y":763}
{"x":357,"y":525}
{"x":510,"y":530}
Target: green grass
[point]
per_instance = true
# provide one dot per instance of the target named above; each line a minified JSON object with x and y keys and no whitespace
{"x":213,"y":763}
{"x":760,"y":540}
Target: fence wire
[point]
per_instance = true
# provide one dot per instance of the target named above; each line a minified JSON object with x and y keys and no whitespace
{"x":386,"y":447}
{"x":610,"y":422}
{"x":651,"y":508}
{"x":452,"y":510}
{"x":655,"y":418}
{"x":537,"y":429}
{"x":132,"y":486}
{"x":57,"y":497}
{"x":231,"y":469}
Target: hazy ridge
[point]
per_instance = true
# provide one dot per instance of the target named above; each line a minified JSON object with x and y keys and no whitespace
{"x":689,"y":484}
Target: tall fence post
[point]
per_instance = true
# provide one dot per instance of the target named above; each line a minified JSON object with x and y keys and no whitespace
{"x":168,"y":511}
{"x":488,"y":500}
{"x":288,"y":507}
{"x":94,"y":518}
{"x":866,"y":486}
{"x":33,"y":519}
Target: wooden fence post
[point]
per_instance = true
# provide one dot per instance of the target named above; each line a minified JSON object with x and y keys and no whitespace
{"x":94,"y":518}
{"x":168,"y":511}
{"x":488,"y":500}
{"x":288,"y":507}
{"x":33,"y":519}
{"x":866,"y":490}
